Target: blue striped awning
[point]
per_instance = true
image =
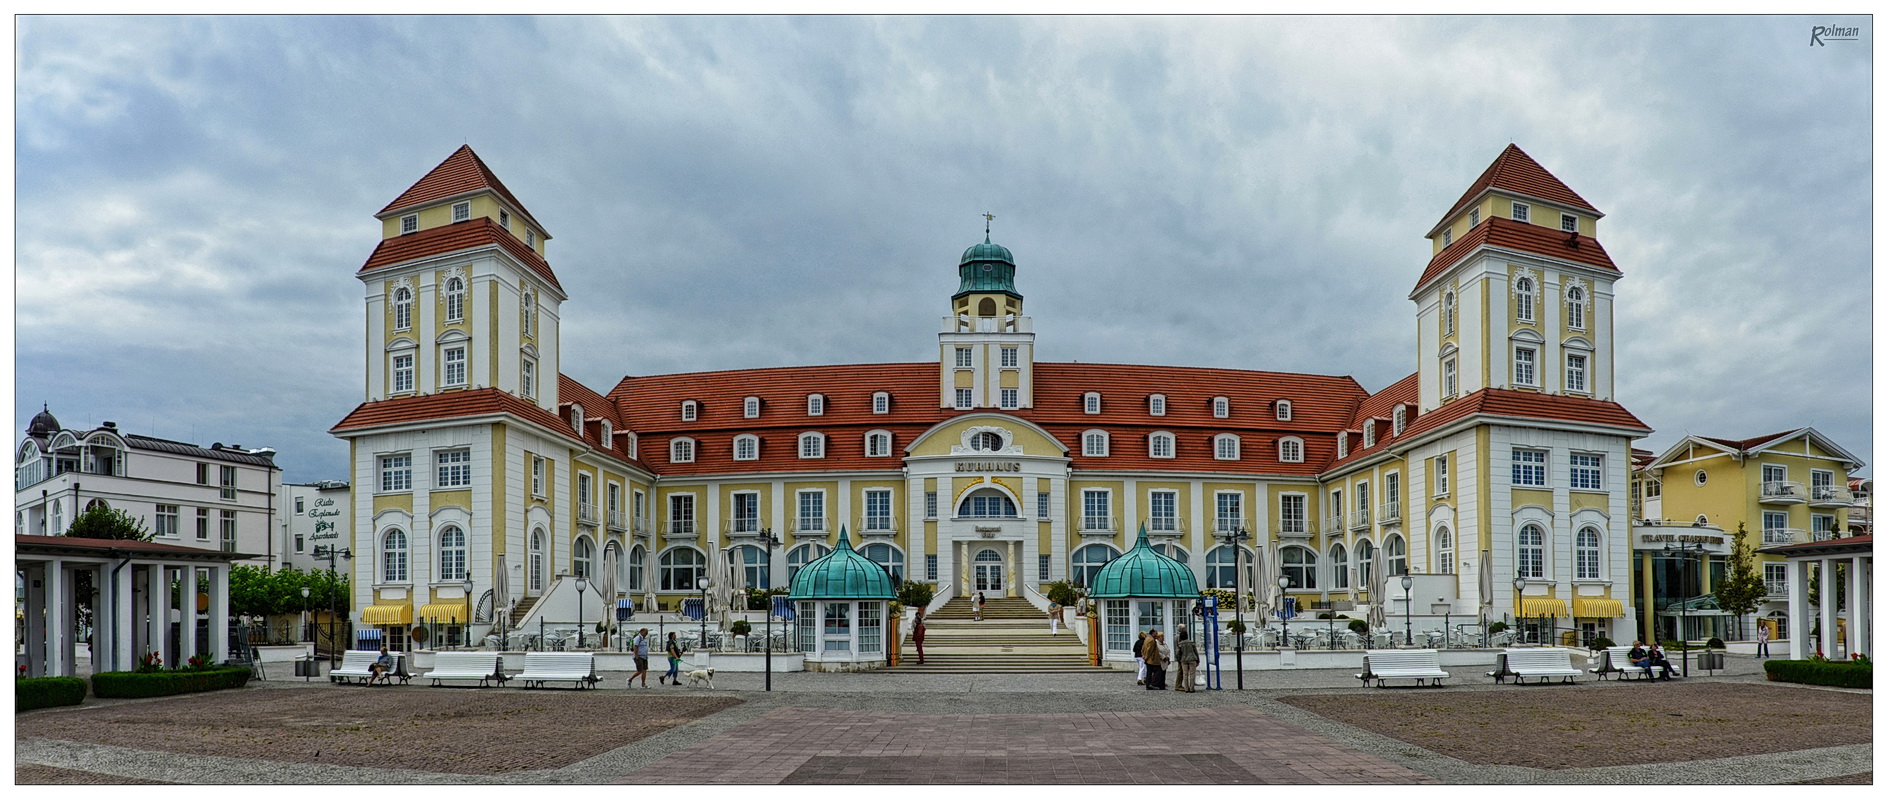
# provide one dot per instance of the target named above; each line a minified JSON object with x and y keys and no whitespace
{"x":625,"y":610}
{"x":367,"y":639}
{"x":783,"y":608}
{"x":691,"y":608}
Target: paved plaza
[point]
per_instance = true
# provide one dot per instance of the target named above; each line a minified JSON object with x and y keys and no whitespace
{"x":1288,"y":727}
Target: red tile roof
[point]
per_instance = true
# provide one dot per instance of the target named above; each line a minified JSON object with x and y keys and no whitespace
{"x":1381,"y":406}
{"x":23,"y":542}
{"x":1517,"y":172}
{"x":449,"y":405}
{"x":460,"y":173}
{"x":1532,"y":405}
{"x":1746,"y":444}
{"x":472,"y":233}
{"x":1525,"y":237}
{"x":596,"y":408}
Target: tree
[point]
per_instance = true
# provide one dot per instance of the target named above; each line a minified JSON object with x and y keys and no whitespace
{"x":100,"y":521}
{"x":1742,"y":589}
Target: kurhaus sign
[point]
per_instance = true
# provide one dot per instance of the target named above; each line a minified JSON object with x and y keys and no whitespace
{"x":989,"y":466}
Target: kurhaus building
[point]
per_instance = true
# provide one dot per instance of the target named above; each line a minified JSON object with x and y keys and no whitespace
{"x":1502,"y":456}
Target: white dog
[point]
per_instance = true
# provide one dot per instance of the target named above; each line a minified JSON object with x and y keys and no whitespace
{"x":701,"y":676}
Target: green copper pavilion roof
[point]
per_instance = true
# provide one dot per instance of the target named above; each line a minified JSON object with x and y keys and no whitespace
{"x":1144,"y":572}
{"x":987,"y":267}
{"x":843,"y":574}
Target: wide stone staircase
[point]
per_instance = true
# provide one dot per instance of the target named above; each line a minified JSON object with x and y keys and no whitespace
{"x":1012,"y":638}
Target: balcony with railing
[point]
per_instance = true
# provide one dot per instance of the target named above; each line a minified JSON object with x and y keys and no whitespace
{"x":1782,"y":492}
{"x":1776,"y":588}
{"x":1333,"y":524}
{"x":1784,"y":535}
{"x":878,"y":525}
{"x":1226,"y":526}
{"x":1389,"y":513}
{"x":586,"y":513}
{"x":1359,"y":518}
{"x":811,"y":526}
{"x":618,"y":521}
{"x":1860,"y":515}
{"x":639,"y":526}
{"x":1293,"y":529}
{"x":1830,"y":496}
{"x":678,"y":529}
{"x":1821,"y":535}
{"x":1168,"y":527}
{"x":743,"y":526}
{"x":1097,"y":524}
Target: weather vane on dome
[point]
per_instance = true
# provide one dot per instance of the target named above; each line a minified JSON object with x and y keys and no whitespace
{"x":987,"y":218}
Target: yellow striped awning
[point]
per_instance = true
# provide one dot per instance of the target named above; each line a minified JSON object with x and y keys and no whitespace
{"x":443,"y":612}
{"x":1598,"y":608}
{"x":387,"y":615}
{"x":1542,"y":607}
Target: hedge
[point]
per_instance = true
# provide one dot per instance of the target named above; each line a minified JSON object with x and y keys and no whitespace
{"x":1821,"y":673}
{"x":159,"y":684}
{"x":31,"y":693}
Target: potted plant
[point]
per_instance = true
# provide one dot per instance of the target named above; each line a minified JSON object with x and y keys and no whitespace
{"x":740,"y":627}
{"x":1236,"y":627}
{"x":1359,"y":627}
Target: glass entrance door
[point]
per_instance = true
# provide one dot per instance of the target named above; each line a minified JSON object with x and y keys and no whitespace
{"x":988,"y":570}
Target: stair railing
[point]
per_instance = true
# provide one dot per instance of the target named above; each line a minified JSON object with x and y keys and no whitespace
{"x":938,"y":599}
{"x":1035,"y":598}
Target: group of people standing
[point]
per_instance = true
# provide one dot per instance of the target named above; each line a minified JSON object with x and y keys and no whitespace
{"x":1151,"y":655}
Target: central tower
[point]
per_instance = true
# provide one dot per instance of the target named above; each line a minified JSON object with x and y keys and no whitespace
{"x":986,"y":350}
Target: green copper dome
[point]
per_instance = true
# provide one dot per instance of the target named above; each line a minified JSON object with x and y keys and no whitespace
{"x":843,"y":574}
{"x":1144,"y":572}
{"x":987,"y":267}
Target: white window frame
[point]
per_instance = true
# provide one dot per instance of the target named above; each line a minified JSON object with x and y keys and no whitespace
{"x":1163,"y":500}
{"x":1011,"y":356}
{"x":812,"y":444}
{"x":1291,"y":450}
{"x":1576,"y":308}
{"x":461,"y":211}
{"x":1220,"y":521}
{"x":1529,"y":467}
{"x":1441,"y":476}
{"x":454,"y":365}
{"x":1448,"y":314}
{"x":1222,"y":408}
{"x":1523,"y":298}
{"x":1090,"y":402}
{"x":1526,"y":372}
{"x":880,"y":402}
{"x":1585,"y":472}
{"x":504,"y":220}
{"x":1444,"y":550}
{"x":681,"y":450}
{"x":1091,"y":521}
{"x":966,"y":357}
{"x":683,"y":514}
{"x":452,"y":556}
{"x":1522,"y":212}
{"x":966,"y":399}
{"x":1369,"y":433}
{"x":403,"y":373}
{"x":455,"y":299}
{"x":750,"y":407}
{"x":1450,"y":384}
{"x":527,"y":311}
{"x":1225,"y":447}
{"x":1294,"y":513}
{"x":1568,"y":223}
{"x":169,"y":520}
{"x":527,"y":377}
{"x":530,"y":238}
{"x":1398,"y":419}
{"x":752,"y":445}
{"x":804,"y":521}
{"x":396,"y":472}
{"x":452,"y":468}
{"x":878,"y":444}
{"x":1094,"y":443}
{"x":1474,"y":217}
{"x":1530,"y":556}
{"x":1587,"y":564}
{"x":409,"y":223}
{"x":1156,"y":405}
{"x":690,"y":411}
{"x":1576,"y":382}
{"x":537,"y":476}
{"x":402,"y":308}
{"x":1011,"y":399}
{"x":1160,"y":444}
{"x":815,"y":405}
{"x":393,"y":557}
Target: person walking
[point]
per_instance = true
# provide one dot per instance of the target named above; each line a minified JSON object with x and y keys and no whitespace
{"x":1054,"y":618}
{"x":673,"y":676}
{"x":1188,"y":659}
{"x":1140,"y":660}
{"x":917,"y":635}
{"x":1155,"y":654}
{"x":1762,"y":640}
{"x":642,"y":660}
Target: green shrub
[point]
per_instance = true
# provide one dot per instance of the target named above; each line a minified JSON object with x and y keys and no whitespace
{"x":1496,"y":627}
{"x":1600,"y":643}
{"x":1359,"y":626}
{"x":1326,"y":615}
{"x":1235,"y":626}
{"x":1062,"y":592}
{"x":31,"y":693}
{"x":916,"y":595}
{"x":159,"y":684}
{"x":1850,"y":675}
{"x":1714,"y":643}
{"x":740,"y":627}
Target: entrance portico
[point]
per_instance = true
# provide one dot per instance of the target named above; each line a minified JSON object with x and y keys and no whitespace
{"x":1000,"y":484}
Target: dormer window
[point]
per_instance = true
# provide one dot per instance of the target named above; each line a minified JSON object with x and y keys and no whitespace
{"x":576,"y":418}
{"x":1369,"y":433}
{"x":1343,"y":443}
{"x":1091,"y":403}
{"x":461,"y":212}
{"x":815,"y":405}
{"x":878,"y":444}
{"x":1474,"y":217}
{"x":750,"y":407}
{"x":1401,"y":418}
{"x":1094,"y":443}
{"x":1160,"y":445}
{"x":1221,"y":407}
{"x":1284,"y":410}
{"x":1156,"y":405}
{"x":1569,"y":223}
{"x":688,"y":410}
{"x":504,"y":220}
{"x":530,"y":238}
{"x":746,"y":447}
{"x":606,"y":435}
{"x":409,"y":223}
{"x":1521,"y":212}
{"x":880,"y":402}
{"x":812,"y":445}
{"x":681,"y":451}
{"x":1291,"y":450}
{"x":1225,"y":447}
{"x":1447,"y":236}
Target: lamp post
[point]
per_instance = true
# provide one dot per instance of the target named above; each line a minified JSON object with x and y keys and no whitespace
{"x":1520,"y":605}
{"x":304,"y":610}
{"x":702,"y":584}
{"x":583,"y":585}
{"x":767,"y":534}
{"x":471,"y":608}
{"x":1408,"y":609}
{"x":1684,"y":551}
{"x":330,"y":552}
{"x":1284,"y":582}
{"x":1236,"y":539}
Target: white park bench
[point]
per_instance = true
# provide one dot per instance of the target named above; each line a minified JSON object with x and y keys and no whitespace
{"x":1617,"y":661}
{"x":540,"y":667}
{"x":1534,"y":662}
{"x":359,"y":664}
{"x":1422,"y":665}
{"x":470,"y":666}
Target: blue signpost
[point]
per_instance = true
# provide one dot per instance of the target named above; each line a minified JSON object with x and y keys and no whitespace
{"x":1214,"y":676}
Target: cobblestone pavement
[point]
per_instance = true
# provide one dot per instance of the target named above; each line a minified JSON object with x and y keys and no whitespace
{"x":1127,"y":733}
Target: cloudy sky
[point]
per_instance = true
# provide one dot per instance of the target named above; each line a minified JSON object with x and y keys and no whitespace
{"x":194,"y":195}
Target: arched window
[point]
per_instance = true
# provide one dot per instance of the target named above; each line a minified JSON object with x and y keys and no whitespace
{"x":536,"y":557}
{"x":880,"y":402}
{"x":753,"y":566}
{"x":1300,"y":566}
{"x":1094,"y":443}
{"x":1399,"y":419}
{"x":638,"y":563}
{"x":987,"y":503}
{"x":1087,"y":562}
{"x":1396,"y":552}
{"x":583,"y":558}
{"x":455,"y":299}
{"x":1339,"y":566}
{"x":1586,"y":554}
{"x":1160,"y":445}
{"x":1291,"y":450}
{"x":393,"y":556}
{"x":689,"y":409}
{"x":812,"y":445}
{"x":750,"y":407}
{"x":815,"y":405}
{"x":576,"y":418}
{"x":884,"y":555}
{"x":1091,"y":403}
{"x":681,"y":567}
{"x":1221,"y":407}
{"x":1156,"y":405}
{"x":681,"y":451}
{"x":801,"y":556}
{"x":878,"y":444}
{"x":527,"y":308}
{"x":1576,"y":308}
{"x":402,"y":309}
{"x":1532,"y":562}
{"x":1369,"y":433}
{"x":1365,"y":564}
{"x":1225,"y":447}
{"x":1448,"y":314}
{"x":986,"y":441}
{"x":451,"y":553}
{"x":1284,"y":411}
{"x":1219,"y":566}
{"x":1444,"y":550}
{"x":1523,"y":299}
{"x":746,"y":447}
{"x":1172,"y":551}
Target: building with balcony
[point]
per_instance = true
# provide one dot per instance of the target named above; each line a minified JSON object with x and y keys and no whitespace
{"x":221,"y":497}
{"x":1782,"y":489}
{"x":986,"y":468}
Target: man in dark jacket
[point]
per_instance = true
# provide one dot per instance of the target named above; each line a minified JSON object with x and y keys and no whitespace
{"x":1188,"y":658}
{"x":1154,"y":652}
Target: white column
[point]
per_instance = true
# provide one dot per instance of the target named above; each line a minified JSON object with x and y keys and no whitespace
{"x":1798,"y":609}
{"x":58,"y":615}
{"x":1829,"y":636}
{"x":187,"y":616}
{"x":123,"y":612}
{"x":36,"y":618}
{"x":1857,"y":607}
{"x":219,"y":613}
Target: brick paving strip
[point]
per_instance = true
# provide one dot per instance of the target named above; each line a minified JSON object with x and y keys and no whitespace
{"x":1222,"y":744}
{"x":35,"y":774}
